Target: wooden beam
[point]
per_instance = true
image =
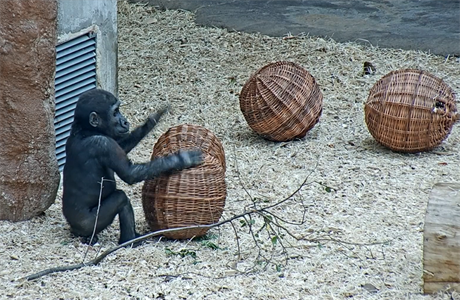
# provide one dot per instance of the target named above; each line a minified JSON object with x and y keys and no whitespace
{"x":441,"y":242}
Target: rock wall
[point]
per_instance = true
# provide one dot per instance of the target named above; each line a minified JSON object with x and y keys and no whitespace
{"x":29,"y":176}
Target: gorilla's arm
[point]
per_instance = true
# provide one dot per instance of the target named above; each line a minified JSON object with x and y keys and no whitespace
{"x":129,"y":142}
{"x":134,"y":137}
{"x":162,"y":165}
{"x":114,"y":157}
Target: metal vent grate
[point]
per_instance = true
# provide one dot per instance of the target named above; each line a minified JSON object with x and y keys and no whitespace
{"x":75,"y":74}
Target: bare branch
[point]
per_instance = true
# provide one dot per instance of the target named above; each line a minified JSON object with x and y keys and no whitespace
{"x":270,"y":220}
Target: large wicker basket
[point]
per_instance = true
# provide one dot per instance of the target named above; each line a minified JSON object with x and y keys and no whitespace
{"x":194,"y":196}
{"x":281,"y":101}
{"x":410,"y":111}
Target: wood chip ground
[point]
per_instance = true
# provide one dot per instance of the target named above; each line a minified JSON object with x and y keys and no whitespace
{"x":365,"y":205}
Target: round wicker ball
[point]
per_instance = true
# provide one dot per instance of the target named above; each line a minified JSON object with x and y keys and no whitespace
{"x":194,"y":196}
{"x":410,"y":111}
{"x":281,"y":101}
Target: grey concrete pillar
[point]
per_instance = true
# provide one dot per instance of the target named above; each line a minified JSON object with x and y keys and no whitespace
{"x":100,"y":17}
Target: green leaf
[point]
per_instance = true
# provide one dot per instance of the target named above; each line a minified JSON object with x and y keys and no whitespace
{"x":208,"y":236}
{"x":185,"y":252}
{"x":170,"y":252}
{"x":274,"y":239}
{"x":210,"y":245}
{"x":268,"y":219}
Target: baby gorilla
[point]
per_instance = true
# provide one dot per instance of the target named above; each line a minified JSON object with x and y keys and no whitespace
{"x":97,"y":147}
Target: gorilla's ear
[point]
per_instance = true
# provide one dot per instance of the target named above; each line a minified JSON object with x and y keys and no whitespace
{"x":94,"y":119}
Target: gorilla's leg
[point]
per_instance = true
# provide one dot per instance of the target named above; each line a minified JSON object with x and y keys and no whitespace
{"x":117,"y":203}
{"x":127,"y":223}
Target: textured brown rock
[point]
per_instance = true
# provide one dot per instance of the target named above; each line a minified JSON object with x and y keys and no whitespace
{"x":29,"y":176}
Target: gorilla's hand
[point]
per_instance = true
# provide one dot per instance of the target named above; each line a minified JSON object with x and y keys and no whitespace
{"x":190,"y":158}
{"x":155,"y":118}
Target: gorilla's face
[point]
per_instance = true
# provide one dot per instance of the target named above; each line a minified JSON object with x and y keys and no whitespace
{"x":99,"y":111}
{"x":118,"y":125}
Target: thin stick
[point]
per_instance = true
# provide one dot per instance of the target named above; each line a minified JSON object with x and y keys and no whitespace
{"x":237,"y":238}
{"x":245,"y":215}
{"x":95,"y":222}
{"x":98,"y":259}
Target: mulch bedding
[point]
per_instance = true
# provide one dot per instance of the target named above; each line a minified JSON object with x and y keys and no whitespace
{"x":360,"y":215}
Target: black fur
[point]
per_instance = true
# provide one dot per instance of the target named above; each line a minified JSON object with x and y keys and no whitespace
{"x":96,"y":149}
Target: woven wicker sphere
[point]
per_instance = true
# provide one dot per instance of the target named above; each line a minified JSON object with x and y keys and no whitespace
{"x":281,"y":101}
{"x":410,"y":111}
{"x":194,"y":196}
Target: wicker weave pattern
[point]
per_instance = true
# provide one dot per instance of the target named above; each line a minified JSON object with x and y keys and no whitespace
{"x":410,"y":111}
{"x":281,"y":101}
{"x":194,"y":196}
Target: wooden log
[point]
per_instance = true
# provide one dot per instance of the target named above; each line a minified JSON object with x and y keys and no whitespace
{"x":441,"y":243}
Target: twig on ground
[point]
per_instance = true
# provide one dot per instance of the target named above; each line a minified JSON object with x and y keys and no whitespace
{"x":98,"y":259}
{"x":270,"y":220}
{"x":95,"y":221}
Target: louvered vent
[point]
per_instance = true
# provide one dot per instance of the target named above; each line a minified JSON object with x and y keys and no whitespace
{"x":75,"y":74}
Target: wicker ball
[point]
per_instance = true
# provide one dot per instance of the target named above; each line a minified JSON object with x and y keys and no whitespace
{"x":281,"y":101}
{"x":410,"y":111}
{"x":194,"y":196}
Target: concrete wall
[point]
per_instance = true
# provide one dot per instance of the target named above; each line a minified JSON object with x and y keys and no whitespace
{"x":78,"y":17}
